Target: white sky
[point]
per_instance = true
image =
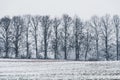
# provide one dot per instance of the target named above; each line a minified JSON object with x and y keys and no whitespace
{"x":83,"y":8}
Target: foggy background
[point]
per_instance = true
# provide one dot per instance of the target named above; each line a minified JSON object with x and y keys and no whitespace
{"x":83,"y":8}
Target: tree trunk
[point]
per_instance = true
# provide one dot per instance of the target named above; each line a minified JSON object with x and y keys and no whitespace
{"x":56,"y":44}
{"x":16,"y":49}
{"x":27,"y":45}
{"x":106,"y":45}
{"x":36,"y":47}
{"x":87,"y":46}
{"x":117,"y":46}
{"x":97,"y":49}
{"x":76,"y":45}
{"x":65,"y":47}
{"x":6,"y":44}
{"x":45,"y":43}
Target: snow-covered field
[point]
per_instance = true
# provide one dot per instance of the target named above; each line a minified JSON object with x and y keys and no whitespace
{"x":58,"y":70}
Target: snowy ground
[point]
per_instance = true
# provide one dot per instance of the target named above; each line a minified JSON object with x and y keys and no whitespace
{"x":58,"y":70}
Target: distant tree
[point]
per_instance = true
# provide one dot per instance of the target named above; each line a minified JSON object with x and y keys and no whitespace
{"x":17,"y":30}
{"x":56,"y":23}
{"x":116,"y":23}
{"x":5,"y":33}
{"x":95,"y":24}
{"x":87,"y":40}
{"x":27,"y":21}
{"x":95,"y":39}
{"x":66,"y":24}
{"x":46,"y":23}
{"x":35,"y":24}
{"x":106,"y":30}
{"x":78,"y":31}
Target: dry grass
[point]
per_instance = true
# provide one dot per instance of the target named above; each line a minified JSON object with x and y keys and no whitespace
{"x":22,"y":69}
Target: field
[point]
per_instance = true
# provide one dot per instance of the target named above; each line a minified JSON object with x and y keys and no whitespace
{"x":14,"y":69}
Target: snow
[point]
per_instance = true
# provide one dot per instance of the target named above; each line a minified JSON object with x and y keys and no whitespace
{"x":33,"y":69}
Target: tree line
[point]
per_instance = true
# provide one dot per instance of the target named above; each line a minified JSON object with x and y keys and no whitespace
{"x":43,"y":37}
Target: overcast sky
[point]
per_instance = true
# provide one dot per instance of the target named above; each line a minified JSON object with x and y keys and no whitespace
{"x":83,"y":8}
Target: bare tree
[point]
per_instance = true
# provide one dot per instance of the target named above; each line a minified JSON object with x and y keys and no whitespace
{"x":116,"y":23}
{"x":78,"y":26}
{"x":35,"y":24}
{"x":17,"y":22}
{"x":5,"y":33}
{"x":56,"y":23}
{"x":92,"y":39}
{"x":46,"y":23}
{"x":95,"y":24}
{"x":87,"y":42}
{"x":66,"y":23}
{"x":106,"y":31}
{"x":27,"y":22}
